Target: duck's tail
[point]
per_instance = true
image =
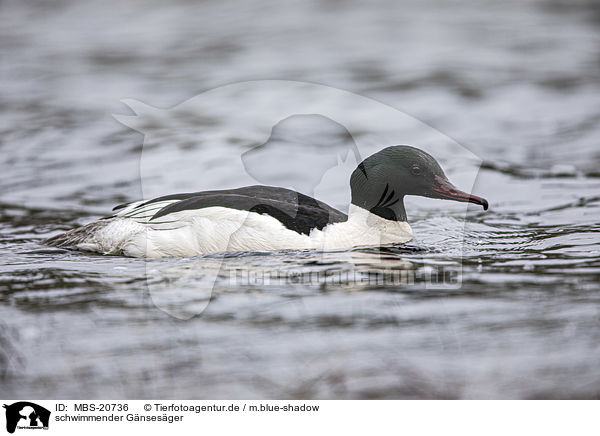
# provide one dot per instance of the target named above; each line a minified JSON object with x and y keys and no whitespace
{"x":80,"y":236}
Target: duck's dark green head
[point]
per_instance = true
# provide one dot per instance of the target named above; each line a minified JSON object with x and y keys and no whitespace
{"x":381,"y":181}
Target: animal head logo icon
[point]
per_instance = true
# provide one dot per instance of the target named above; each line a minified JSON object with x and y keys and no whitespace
{"x":24,"y":414}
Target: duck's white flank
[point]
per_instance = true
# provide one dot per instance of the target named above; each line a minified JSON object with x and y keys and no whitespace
{"x":218,"y":229}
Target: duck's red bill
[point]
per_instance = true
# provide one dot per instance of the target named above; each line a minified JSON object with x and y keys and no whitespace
{"x":446,"y":190}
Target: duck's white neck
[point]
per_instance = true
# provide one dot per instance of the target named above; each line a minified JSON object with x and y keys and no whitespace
{"x":364,"y":228}
{"x":358,"y":214}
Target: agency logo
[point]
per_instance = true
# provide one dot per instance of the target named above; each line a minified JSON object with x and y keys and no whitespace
{"x":26,"y":415}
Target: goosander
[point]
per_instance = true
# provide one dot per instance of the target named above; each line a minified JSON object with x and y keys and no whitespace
{"x":266,"y":218}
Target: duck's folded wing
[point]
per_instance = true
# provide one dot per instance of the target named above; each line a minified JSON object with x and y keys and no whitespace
{"x":296,"y":211}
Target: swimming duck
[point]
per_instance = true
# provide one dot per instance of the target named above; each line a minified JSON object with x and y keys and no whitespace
{"x":265,"y":218}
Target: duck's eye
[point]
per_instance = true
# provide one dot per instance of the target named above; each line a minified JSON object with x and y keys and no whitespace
{"x":416,"y":170}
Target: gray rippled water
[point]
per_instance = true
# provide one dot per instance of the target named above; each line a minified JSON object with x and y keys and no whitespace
{"x":517,"y":83}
